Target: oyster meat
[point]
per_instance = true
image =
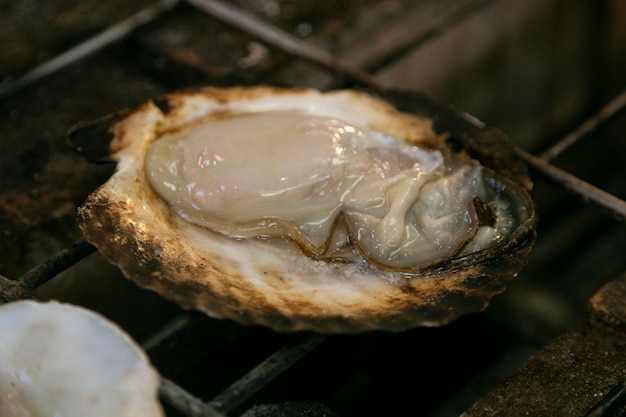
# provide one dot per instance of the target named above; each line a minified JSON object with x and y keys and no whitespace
{"x":296,"y":209}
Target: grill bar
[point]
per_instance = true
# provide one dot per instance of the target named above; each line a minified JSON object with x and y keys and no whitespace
{"x":59,"y":263}
{"x":166,"y":331}
{"x":263,"y":373}
{"x":575,"y":184}
{"x":450,"y":14}
{"x":184,"y":402}
{"x":15,"y":289}
{"x":612,"y":404}
{"x":89,"y":46}
{"x":282,"y":40}
{"x":612,"y":109}
{"x":282,"y":359}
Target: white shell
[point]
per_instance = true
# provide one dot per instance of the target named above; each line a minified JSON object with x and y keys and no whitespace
{"x":254,"y":282}
{"x":62,"y":360}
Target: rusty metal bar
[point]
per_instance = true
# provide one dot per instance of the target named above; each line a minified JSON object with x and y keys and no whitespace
{"x":12,"y":290}
{"x":172,"y":327}
{"x":613,"y":108}
{"x":264,"y":373}
{"x":57,"y":264}
{"x":575,"y":184}
{"x":15,"y":289}
{"x":184,"y":402}
{"x":281,"y":39}
{"x":89,"y":46}
{"x":451,"y":13}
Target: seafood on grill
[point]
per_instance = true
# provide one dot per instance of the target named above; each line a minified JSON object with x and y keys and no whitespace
{"x":302,"y":210}
{"x":63,"y":360}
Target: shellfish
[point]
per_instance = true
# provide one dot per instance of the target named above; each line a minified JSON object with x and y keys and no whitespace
{"x":63,"y":360}
{"x":302,"y":210}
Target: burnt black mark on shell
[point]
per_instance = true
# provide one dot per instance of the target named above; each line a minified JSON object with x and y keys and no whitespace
{"x":407,"y":288}
{"x":164,"y":104}
{"x":460,"y":301}
{"x":93,"y":138}
{"x":442,"y":304}
{"x":137,"y":259}
{"x":454,"y":144}
{"x":478,"y":282}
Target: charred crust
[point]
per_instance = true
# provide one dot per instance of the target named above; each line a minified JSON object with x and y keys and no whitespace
{"x":454,"y":144}
{"x":164,"y":104}
{"x":93,"y":138}
{"x":478,"y":281}
{"x":407,"y":288}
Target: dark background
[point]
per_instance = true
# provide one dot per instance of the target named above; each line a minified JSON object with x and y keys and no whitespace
{"x":535,"y":69}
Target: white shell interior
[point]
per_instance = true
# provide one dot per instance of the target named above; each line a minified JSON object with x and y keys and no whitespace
{"x":65,"y":361}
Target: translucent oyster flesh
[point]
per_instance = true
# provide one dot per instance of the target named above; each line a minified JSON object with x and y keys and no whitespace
{"x":62,"y":360}
{"x":364,"y":220}
{"x":297,"y":175}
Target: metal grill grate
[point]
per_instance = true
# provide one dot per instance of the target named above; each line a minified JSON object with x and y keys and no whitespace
{"x":234,"y":399}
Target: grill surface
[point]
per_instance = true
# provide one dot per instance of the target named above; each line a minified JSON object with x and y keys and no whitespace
{"x":534,"y":70}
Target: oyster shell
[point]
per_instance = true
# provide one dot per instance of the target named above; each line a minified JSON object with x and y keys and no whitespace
{"x":63,"y":360}
{"x":271,"y":281}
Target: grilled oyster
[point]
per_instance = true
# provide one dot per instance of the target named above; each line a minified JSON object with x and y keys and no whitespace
{"x":62,"y":360}
{"x":295,"y":209}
